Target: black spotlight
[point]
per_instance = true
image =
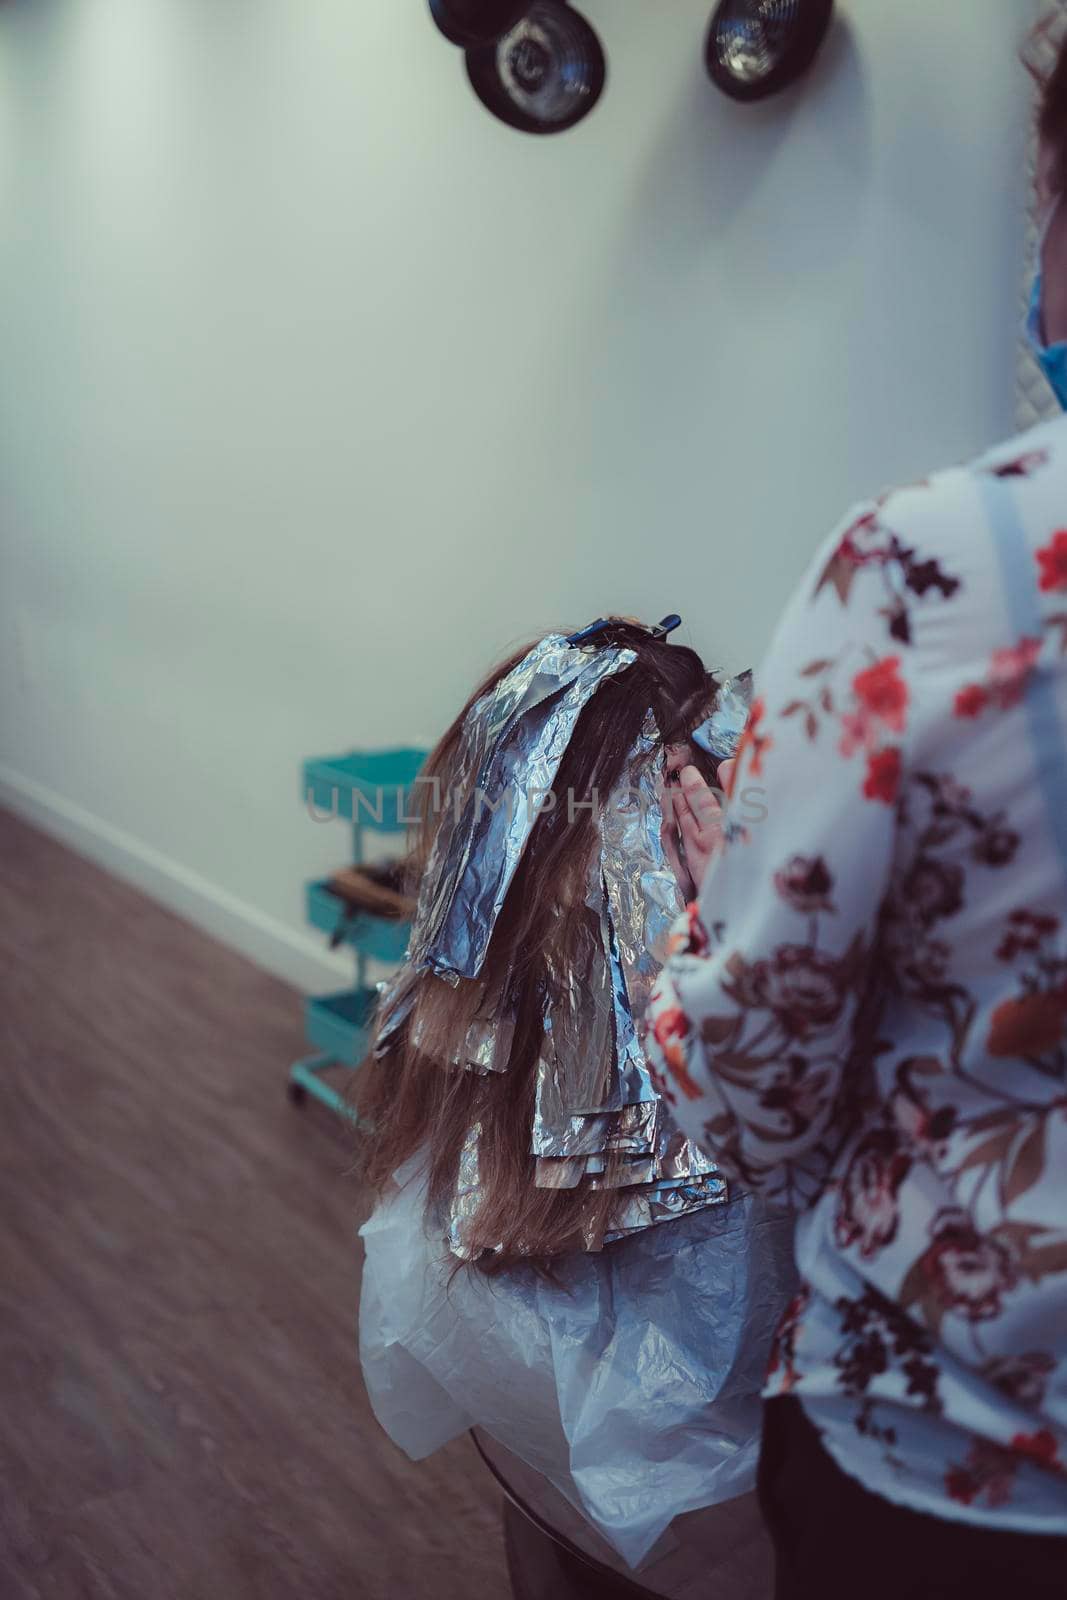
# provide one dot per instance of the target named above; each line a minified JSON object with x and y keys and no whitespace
{"x":757,"y":47}
{"x":545,"y":74}
{"x":470,"y":23}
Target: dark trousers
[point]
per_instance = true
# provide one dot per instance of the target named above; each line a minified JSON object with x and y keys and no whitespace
{"x":834,"y":1540}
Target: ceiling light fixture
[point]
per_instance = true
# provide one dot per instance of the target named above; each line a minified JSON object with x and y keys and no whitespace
{"x":470,"y":23}
{"x":545,"y":74}
{"x":756,"y":48}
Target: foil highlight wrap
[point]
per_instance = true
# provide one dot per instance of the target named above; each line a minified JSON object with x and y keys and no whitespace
{"x":513,"y":741}
{"x":485,"y":1049}
{"x":624,"y":1137}
{"x":598,"y":1121}
{"x":721,"y":734}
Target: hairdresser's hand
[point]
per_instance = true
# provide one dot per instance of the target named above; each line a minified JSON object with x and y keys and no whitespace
{"x":692,"y":827}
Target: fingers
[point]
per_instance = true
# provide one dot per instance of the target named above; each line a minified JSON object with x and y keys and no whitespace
{"x":698,"y":812}
{"x":698,"y":798}
{"x":726,"y":774}
{"x":699,"y":821}
{"x":668,"y":825}
{"x":669,"y":838}
{"x":692,"y":827}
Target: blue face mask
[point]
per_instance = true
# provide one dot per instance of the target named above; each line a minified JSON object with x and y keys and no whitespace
{"x":1051,"y":358}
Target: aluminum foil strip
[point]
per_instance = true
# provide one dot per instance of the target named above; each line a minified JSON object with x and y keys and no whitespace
{"x":593,"y":1062}
{"x":647,"y":1133}
{"x":648,"y":1208}
{"x":676,"y":1156}
{"x":642,"y":1205}
{"x":488,"y":1042}
{"x":565,"y":1173}
{"x":487,"y":1047}
{"x":513,"y":741}
{"x":644,"y":904}
{"x":633,"y":1079}
{"x":632,"y":1175}
{"x":577,"y":1136}
{"x":395,"y":1001}
{"x":642,"y":892}
{"x":644,"y":899}
{"x":721,"y":734}
{"x":630,"y":1082}
{"x":673,"y":1159}
{"x":577,"y":1067}
{"x":632,"y":1131}
{"x":466,"y":1197}
{"x":656,"y":1151}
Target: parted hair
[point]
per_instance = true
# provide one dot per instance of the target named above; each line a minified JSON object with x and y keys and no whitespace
{"x":414,"y":1100}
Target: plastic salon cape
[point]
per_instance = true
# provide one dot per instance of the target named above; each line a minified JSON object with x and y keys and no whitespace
{"x":631,"y":1383}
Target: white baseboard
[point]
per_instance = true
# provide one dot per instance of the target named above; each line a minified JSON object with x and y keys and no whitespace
{"x":297,"y":957}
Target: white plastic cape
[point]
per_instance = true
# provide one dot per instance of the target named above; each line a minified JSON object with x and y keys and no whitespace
{"x":632,"y":1383}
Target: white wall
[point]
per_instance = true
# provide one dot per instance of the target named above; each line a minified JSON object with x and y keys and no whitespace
{"x":318,"y":387}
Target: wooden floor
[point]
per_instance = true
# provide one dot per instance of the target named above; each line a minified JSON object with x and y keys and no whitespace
{"x":181,"y":1412}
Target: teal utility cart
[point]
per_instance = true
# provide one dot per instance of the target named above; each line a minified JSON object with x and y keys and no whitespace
{"x":375,"y":790}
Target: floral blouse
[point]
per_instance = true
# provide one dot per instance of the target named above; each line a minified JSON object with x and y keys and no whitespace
{"x":865,"y":1015}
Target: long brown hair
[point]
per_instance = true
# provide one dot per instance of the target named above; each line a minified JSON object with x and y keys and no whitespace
{"x":413,"y":1099}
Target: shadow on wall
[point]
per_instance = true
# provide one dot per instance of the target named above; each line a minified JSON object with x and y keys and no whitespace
{"x":713,"y":158}
{"x":714,"y":292}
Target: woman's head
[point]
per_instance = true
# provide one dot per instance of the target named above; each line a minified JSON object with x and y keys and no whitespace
{"x":421,"y":1095}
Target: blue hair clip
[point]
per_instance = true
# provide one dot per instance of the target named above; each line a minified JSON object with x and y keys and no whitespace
{"x":586,"y":634}
{"x":660,"y":631}
{"x":668,"y":625}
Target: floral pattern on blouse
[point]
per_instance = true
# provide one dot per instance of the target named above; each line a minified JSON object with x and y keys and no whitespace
{"x":864,"y":1017}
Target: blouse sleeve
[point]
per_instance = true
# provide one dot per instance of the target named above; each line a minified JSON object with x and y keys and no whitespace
{"x":759,"y":1010}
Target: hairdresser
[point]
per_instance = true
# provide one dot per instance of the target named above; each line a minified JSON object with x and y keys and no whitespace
{"x":867,"y":1020}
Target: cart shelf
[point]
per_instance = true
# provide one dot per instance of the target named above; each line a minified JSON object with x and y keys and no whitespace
{"x":372,"y":789}
{"x":383,"y":938}
{"x":339,"y":1024}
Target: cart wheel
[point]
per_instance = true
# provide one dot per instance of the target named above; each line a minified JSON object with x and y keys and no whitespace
{"x":296,"y":1092}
